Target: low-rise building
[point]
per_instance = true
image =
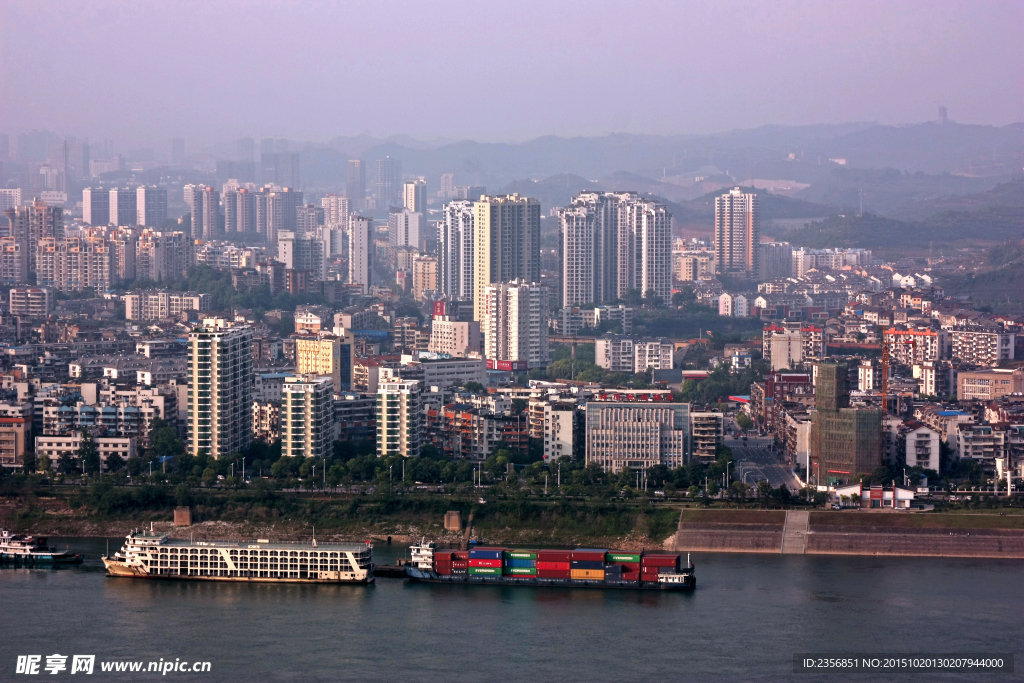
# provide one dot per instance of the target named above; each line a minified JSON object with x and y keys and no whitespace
{"x":637,"y":436}
{"x":707,"y":433}
{"x":55,"y":446}
{"x":990,"y":384}
{"x":161,"y":305}
{"x":31,"y":302}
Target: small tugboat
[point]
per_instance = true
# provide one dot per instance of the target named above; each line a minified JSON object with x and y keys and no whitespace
{"x":23,"y":549}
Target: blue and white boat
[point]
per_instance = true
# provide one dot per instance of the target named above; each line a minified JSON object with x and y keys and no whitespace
{"x":22,"y":549}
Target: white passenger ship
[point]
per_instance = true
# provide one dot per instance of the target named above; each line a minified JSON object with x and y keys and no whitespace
{"x":150,"y":555}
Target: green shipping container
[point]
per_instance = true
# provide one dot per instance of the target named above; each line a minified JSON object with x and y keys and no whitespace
{"x":522,"y":555}
{"x":527,"y":571}
{"x":622,"y":557}
{"x":485,"y":571}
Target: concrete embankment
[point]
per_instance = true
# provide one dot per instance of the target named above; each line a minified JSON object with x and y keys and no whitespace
{"x":850,"y":533}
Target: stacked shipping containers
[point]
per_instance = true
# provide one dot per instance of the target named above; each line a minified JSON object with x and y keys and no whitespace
{"x":587,"y":563}
{"x":583,"y":563}
{"x":553,"y":564}
{"x":652,"y":565}
{"x":485,"y":561}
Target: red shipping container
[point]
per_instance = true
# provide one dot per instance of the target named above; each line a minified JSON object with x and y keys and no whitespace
{"x":460,"y":565}
{"x":554,"y":555}
{"x":589,"y":555}
{"x":443,"y":570}
{"x":660,"y":560}
{"x":630,"y":576}
{"x":553,"y":573}
{"x":460,"y":555}
{"x":484,"y":563}
{"x":559,"y":566}
{"x":648,"y":576}
{"x":627,"y":566}
{"x":443,"y":554}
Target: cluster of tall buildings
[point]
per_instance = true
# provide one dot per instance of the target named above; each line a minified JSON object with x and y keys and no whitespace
{"x":612,"y":243}
{"x":145,"y":205}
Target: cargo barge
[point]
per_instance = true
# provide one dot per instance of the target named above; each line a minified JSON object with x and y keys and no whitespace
{"x":149,"y":555}
{"x":579,"y":568}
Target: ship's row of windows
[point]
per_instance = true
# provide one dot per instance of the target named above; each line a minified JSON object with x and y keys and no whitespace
{"x":261,"y":553}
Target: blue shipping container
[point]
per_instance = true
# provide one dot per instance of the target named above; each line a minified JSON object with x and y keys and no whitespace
{"x":512,"y":562}
{"x":485,"y":554}
{"x":586,"y":564}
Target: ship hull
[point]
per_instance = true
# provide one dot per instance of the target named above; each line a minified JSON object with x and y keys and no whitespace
{"x":421,"y":576}
{"x":119,"y":569}
{"x":41,"y":559}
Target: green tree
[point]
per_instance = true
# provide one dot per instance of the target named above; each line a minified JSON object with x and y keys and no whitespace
{"x":115,"y":462}
{"x":744,"y":422}
{"x":89,"y":455}
{"x":209,"y":476}
{"x":473,"y":387}
{"x":28,"y":462}
{"x":164,"y":440}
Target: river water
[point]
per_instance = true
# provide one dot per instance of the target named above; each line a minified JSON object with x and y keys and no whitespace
{"x":747,"y":618}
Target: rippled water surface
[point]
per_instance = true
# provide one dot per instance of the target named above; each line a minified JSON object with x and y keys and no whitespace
{"x":748,"y":617}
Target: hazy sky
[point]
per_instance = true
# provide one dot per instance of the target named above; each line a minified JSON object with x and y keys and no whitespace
{"x":212,"y":70}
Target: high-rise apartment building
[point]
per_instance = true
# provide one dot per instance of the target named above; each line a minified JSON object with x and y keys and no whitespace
{"x":76,"y":263}
{"x":96,"y":206}
{"x":775,"y":260}
{"x":424,"y":276}
{"x":239,"y":211}
{"x":126,"y":246}
{"x":326,"y":355}
{"x":398,"y":417}
{"x":203,"y":202}
{"x":151,"y":205}
{"x":123,"y":206}
{"x":10,"y":197}
{"x":30,"y":224}
{"x":515,"y":324}
{"x":447,"y":186}
{"x":303,"y":252}
{"x":406,"y":228}
{"x":414,"y":196}
{"x":456,"y":256}
{"x":308,"y":218}
{"x":355,"y":186}
{"x":307,"y":411}
{"x":737,"y":234}
{"x":387,"y":182}
{"x":276,"y":211}
{"x":507,"y":244}
{"x":162,"y":256}
{"x":611,"y":243}
{"x":13,"y":260}
{"x":360,"y":251}
{"x":220,"y":374}
{"x":336,"y":208}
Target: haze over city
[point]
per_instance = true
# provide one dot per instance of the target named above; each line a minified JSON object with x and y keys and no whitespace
{"x":551,"y":340}
{"x":145,"y":72}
